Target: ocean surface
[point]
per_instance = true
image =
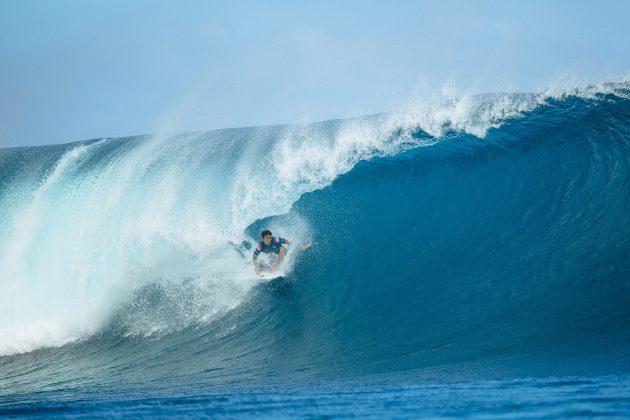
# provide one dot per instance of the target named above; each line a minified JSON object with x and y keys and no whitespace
{"x":470,"y":258}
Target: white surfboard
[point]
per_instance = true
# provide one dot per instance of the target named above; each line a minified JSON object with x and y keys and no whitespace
{"x":266,"y":276}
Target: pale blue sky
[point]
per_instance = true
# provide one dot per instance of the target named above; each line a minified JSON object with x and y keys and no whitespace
{"x":73,"y":70}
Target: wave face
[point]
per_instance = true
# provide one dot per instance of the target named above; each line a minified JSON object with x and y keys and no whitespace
{"x":486,"y":228}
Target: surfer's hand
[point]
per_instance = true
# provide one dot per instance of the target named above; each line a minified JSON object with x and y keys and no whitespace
{"x":306,"y":245}
{"x":257,"y":269}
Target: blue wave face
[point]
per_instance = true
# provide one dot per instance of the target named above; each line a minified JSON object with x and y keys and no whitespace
{"x":488,"y":230}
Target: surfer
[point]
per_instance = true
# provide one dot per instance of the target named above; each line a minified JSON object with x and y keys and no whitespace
{"x":270,"y":245}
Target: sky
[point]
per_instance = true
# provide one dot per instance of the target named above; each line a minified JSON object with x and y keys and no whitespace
{"x":82,"y":69}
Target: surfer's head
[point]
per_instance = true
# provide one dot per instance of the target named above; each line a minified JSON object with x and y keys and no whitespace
{"x":266,"y":236}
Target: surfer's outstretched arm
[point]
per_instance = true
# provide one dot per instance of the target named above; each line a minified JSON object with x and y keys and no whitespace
{"x":304,"y":245}
{"x":281,"y":254}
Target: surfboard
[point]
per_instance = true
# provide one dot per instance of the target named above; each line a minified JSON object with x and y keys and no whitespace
{"x":266,"y":276}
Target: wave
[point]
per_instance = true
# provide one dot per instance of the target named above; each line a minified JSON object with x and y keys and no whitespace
{"x":481,"y":226}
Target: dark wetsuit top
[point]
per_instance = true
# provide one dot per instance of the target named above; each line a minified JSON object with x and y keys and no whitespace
{"x":272,"y":248}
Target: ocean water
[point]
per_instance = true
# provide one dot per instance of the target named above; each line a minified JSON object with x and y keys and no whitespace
{"x":470,"y":258}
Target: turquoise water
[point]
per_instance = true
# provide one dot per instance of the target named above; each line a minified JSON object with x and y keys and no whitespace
{"x":469,"y":258}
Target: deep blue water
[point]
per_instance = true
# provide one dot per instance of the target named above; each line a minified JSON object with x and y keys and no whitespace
{"x":468,"y":259}
{"x":523,"y":398}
